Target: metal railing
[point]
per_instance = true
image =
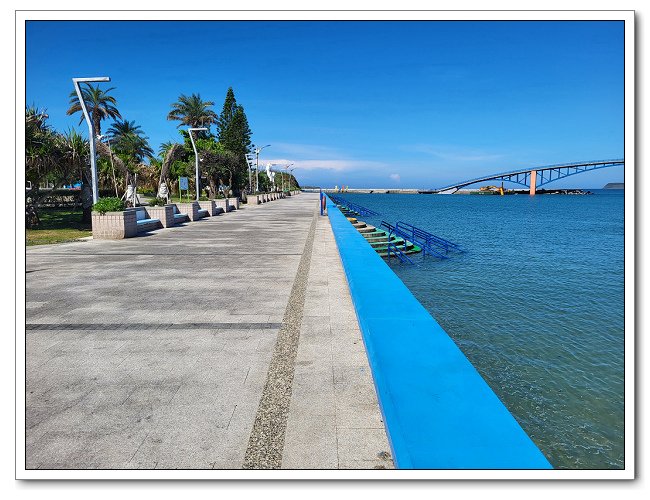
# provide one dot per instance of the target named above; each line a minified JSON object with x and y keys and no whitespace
{"x":427,"y":239}
{"x":392,"y":248}
{"x":353,"y":207}
{"x":430,"y":243}
{"x":393,"y":230}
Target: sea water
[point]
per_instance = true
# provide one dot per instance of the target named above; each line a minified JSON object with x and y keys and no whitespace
{"x":536,"y":303}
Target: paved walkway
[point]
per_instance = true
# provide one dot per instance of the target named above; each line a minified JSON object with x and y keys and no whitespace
{"x":171,"y":350}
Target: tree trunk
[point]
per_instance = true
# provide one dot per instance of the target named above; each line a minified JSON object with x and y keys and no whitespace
{"x":213,"y":187}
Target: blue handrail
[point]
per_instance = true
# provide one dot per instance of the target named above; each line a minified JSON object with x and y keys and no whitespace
{"x":352,"y":206}
{"x":398,"y":253}
{"x":427,"y":238}
{"x":426,"y":245}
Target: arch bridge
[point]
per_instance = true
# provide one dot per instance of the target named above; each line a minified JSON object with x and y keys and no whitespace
{"x":536,"y":177}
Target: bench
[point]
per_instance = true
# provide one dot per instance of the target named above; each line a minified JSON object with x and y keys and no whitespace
{"x":179,"y":218}
{"x":144,"y":223}
{"x":203,"y":213}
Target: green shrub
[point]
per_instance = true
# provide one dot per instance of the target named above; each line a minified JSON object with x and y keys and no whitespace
{"x":158,"y":202}
{"x":108,"y":205}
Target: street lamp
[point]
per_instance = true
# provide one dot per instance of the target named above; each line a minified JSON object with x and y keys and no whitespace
{"x":196,"y":158}
{"x":257,"y":167}
{"x":249,"y":162}
{"x":91,"y":135}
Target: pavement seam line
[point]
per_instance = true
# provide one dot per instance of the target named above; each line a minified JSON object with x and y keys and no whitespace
{"x":266,"y":442}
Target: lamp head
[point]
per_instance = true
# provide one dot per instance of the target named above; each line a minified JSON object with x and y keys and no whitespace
{"x":92,"y":79}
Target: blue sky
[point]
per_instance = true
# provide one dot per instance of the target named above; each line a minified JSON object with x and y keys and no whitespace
{"x":366,"y":104}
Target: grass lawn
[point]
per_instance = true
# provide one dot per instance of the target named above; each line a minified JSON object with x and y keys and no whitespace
{"x":58,"y":226}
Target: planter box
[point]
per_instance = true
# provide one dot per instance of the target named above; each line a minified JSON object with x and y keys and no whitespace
{"x":114,"y":225}
{"x":191,"y":209}
{"x":223,"y":204}
{"x":165,"y":214}
{"x":211,"y":206}
{"x":253,"y":199}
{"x":235,"y":203}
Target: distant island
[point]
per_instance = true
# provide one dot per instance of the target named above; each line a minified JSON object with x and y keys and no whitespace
{"x":615,"y":185}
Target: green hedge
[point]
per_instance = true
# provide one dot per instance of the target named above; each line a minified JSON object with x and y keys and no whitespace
{"x":108,"y":205}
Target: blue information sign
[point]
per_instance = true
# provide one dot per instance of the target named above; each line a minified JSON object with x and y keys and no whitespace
{"x":183,"y":183}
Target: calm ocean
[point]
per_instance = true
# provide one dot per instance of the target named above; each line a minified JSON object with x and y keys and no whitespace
{"x":537,"y":305}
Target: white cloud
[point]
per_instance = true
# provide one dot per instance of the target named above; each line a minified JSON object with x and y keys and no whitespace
{"x":454,"y":153}
{"x":304,"y":150}
{"x":318,"y":157}
{"x":395,"y":177}
{"x":334,"y":164}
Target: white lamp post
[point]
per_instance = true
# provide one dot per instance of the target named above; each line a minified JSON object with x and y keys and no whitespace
{"x":196,"y":159}
{"x":249,"y":162}
{"x":257,"y":167}
{"x":91,"y":135}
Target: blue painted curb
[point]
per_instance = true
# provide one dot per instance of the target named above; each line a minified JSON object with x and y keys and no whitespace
{"x":438,"y":410}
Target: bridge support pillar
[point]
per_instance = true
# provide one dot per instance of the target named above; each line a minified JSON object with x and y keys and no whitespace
{"x":533,"y":182}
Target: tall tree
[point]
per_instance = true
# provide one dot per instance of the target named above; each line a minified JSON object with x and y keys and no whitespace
{"x":192,"y":111}
{"x":121,"y":128}
{"x":227,"y":114}
{"x":218,"y":163}
{"x":237,"y":139}
{"x":100,"y":105}
{"x":128,"y":139}
{"x":75,"y":158}
{"x":41,"y":158}
{"x":41,"y":152}
{"x":234,"y":134}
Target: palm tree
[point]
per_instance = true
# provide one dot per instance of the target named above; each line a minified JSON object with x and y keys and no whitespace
{"x":192,"y":111}
{"x":99,"y":104}
{"x":170,"y":153}
{"x":128,"y":143}
{"x":134,"y":147}
{"x":74,"y":152}
{"x":40,"y":146}
{"x":129,"y":139}
{"x":41,"y":158}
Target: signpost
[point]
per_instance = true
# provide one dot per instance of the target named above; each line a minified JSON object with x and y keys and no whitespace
{"x":183,"y":183}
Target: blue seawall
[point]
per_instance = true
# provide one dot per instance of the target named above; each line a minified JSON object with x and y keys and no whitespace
{"x":438,"y":410}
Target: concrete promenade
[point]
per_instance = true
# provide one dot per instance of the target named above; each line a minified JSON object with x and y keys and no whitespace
{"x":228,"y":343}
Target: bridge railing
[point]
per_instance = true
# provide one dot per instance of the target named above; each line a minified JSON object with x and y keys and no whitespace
{"x":521,"y":171}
